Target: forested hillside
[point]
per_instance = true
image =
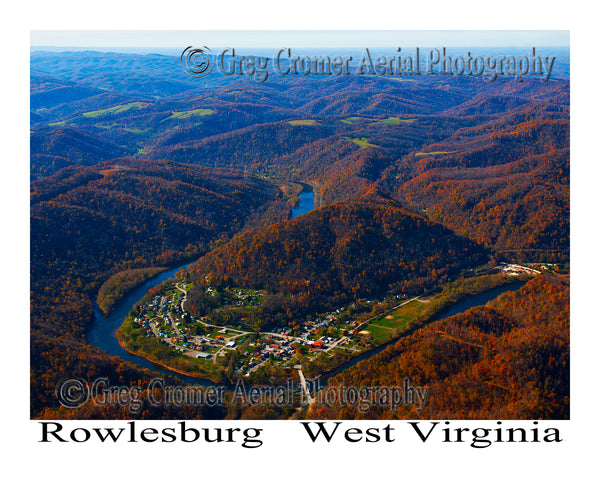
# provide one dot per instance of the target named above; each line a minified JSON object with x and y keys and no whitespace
{"x":337,"y":253}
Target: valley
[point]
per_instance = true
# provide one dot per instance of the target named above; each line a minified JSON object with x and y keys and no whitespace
{"x":321,"y":220}
{"x":160,"y":329}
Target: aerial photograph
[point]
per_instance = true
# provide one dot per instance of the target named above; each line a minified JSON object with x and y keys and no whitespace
{"x":329,"y":225}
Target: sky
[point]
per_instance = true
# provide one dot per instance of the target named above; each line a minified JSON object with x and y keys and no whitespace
{"x":146,"y":39}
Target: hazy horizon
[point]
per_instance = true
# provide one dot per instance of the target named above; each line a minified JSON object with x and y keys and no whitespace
{"x":167,"y":41}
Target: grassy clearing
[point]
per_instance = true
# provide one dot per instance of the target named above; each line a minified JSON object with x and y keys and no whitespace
{"x":362,"y":142}
{"x":116,"y":109}
{"x":200,"y":112}
{"x":114,"y":125}
{"x":402,"y":316}
{"x":381,"y":334}
{"x":57,"y":124}
{"x":302,"y":122}
{"x":397,"y":321}
{"x":394,"y":121}
{"x":350,"y":120}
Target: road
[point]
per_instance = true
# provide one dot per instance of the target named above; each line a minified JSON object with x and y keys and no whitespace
{"x":174,"y":325}
{"x":230,"y":339}
{"x":309,"y":397}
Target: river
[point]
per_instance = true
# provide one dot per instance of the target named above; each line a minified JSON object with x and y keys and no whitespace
{"x":103,"y":331}
{"x":306,"y":204}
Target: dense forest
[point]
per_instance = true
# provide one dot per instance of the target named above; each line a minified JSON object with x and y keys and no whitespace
{"x":136,"y":166}
{"x":337,"y":253}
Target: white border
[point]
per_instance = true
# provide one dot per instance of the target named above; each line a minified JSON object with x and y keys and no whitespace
{"x":286,"y":453}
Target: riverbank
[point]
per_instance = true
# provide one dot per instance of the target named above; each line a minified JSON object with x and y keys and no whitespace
{"x":117,"y":286}
{"x":175,"y":365}
{"x":298,"y":194}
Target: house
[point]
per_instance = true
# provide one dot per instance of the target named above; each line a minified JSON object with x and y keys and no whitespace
{"x":203,"y":355}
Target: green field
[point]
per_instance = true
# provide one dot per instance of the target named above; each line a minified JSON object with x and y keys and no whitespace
{"x":396,"y":321}
{"x":116,"y":109}
{"x":362,"y":142}
{"x":393,"y":121}
{"x":135,"y":130}
{"x":303,"y":122}
{"x":114,"y":125}
{"x":201,"y":112}
{"x":350,"y":120}
{"x":381,"y":334}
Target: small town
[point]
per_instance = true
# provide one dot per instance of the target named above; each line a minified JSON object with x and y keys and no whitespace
{"x":164,"y":317}
{"x":328,"y":334}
